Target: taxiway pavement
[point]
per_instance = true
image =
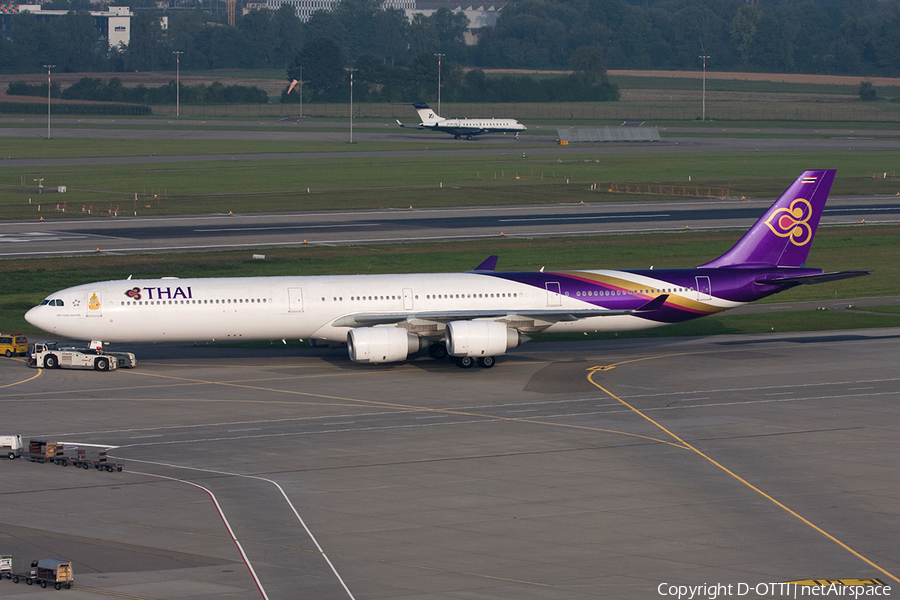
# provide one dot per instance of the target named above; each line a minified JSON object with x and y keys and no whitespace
{"x":570,"y":470}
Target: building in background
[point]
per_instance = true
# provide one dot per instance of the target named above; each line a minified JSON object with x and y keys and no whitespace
{"x":480,"y":14}
{"x":114,"y":23}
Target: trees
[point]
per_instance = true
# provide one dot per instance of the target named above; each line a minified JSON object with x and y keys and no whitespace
{"x":867,"y":91}
{"x":323,"y":67}
{"x":743,"y":30}
{"x":805,"y":36}
{"x":147,"y":50}
{"x":443,"y":31}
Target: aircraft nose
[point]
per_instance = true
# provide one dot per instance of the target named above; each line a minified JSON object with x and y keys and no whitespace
{"x":38,"y":317}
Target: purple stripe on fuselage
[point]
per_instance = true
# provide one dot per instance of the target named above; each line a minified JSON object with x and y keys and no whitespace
{"x":730,"y":284}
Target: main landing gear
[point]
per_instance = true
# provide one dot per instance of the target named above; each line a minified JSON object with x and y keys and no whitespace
{"x":439,"y":351}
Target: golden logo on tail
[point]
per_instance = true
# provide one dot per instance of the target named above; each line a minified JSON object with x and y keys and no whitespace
{"x":793,"y":222}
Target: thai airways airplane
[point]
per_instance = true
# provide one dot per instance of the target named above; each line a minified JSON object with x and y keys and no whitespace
{"x":474,"y":317}
{"x":463,"y":127}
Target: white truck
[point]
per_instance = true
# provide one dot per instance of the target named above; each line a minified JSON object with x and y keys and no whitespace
{"x":51,"y":356}
{"x":11,"y":446}
{"x":126,"y":360}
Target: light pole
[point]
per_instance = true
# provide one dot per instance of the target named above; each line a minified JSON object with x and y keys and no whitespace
{"x":178,"y":54}
{"x":704,"y":57}
{"x":439,"y":81}
{"x":48,"y":67}
{"x":351,"y":104}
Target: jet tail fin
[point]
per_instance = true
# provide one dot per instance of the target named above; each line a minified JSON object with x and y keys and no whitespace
{"x":428,"y":116}
{"x":783,"y":235}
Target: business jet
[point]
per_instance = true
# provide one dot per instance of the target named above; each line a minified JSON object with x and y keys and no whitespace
{"x":463,"y":127}
{"x":474,"y":317}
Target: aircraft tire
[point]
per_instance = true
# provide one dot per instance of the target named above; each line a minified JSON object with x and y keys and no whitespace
{"x":486,"y":362}
{"x":437,"y":351}
{"x":464,"y":362}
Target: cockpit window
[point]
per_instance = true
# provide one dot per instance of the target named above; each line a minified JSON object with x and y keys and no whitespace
{"x":56,"y":302}
{"x":44,"y":303}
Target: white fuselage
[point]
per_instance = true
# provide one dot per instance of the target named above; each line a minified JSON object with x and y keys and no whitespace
{"x":266,"y":308}
{"x":484,"y":125}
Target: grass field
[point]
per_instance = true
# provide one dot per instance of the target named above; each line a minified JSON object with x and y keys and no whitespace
{"x":341,"y":182}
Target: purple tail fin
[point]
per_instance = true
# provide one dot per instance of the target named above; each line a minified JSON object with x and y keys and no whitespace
{"x":782,"y":237}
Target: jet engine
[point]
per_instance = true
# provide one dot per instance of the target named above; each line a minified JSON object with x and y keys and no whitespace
{"x":381,"y":344}
{"x":479,"y":338}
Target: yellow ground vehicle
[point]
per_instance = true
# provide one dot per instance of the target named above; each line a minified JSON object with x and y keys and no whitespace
{"x":13,"y":343}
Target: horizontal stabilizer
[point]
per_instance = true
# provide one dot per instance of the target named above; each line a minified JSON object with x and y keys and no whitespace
{"x":410,"y":126}
{"x":811,"y":279}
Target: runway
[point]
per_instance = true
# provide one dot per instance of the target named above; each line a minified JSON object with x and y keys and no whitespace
{"x":540,"y":140}
{"x":570,"y":470}
{"x":123,"y":235}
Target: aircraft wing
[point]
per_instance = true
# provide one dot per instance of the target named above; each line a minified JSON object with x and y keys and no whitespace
{"x":549,"y":316}
{"x":811,"y":279}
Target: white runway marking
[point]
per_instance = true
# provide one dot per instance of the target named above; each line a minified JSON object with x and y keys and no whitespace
{"x":587,"y":218}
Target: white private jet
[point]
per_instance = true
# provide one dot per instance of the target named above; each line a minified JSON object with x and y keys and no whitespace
{"x":463,"y":127}
{"x":472,"y":316}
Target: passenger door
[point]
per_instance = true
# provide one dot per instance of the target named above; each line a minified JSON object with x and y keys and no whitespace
{"x":704,"y":288}
{"x":295,"y":299}
{"x":554,"y":297}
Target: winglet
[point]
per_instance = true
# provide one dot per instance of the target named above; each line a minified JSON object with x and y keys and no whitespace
{"x":488,"y":265}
